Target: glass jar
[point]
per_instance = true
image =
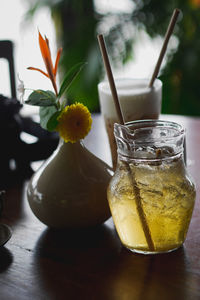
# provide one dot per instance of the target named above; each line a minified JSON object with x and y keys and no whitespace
{"x":151,"y":196}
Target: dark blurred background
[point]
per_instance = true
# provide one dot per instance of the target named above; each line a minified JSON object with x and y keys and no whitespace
{"x":78,"y":22}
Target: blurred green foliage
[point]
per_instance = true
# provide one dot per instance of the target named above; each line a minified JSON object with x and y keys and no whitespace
{"x":181,"y":75}
{"x":78,"y":22}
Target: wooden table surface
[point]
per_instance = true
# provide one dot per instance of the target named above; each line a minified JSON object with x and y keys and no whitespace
{"x":41,"y":263}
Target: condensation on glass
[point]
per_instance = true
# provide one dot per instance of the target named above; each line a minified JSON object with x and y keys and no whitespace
{"x":151,"y":195}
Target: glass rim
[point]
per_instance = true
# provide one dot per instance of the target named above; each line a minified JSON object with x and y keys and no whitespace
{"x":152,"y":123}
{"x":137,"y":134}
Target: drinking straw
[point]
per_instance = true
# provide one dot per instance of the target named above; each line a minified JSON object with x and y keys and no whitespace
{"x":165,"y":43}
{"x":136,"y":190}
{"x":110,"y":77}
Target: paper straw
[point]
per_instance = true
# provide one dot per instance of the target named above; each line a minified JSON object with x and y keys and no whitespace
{"x":110,"y":77}
{"x":136,"y":190}
{"x":165,"y":43}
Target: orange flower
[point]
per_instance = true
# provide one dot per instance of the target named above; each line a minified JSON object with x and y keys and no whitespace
{"x":46,"y":55}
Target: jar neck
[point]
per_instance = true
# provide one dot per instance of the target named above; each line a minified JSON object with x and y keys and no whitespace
{"x":149,"y":140}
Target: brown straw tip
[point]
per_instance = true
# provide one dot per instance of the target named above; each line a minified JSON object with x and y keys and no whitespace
{"x":177,"y":10}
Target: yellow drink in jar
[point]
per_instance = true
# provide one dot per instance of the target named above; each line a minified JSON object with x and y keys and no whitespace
{"x":167,"y":198}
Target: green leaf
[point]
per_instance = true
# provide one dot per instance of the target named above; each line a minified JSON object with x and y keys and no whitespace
{"x":53,"y":122}
{"x":41,"y":98}
{"x":69,"y":77}
{"x":46,"y":115}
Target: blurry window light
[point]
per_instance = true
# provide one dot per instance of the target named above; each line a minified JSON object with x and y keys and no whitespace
{"x":116,"y":6}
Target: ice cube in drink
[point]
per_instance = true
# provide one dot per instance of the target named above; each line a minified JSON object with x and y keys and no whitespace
{"x":167,"y":198}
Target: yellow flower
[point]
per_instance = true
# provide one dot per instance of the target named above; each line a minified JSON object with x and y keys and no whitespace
{"x":74,"y":122}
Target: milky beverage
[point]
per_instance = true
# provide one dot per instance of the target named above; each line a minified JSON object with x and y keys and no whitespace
{"x":137,"y":101}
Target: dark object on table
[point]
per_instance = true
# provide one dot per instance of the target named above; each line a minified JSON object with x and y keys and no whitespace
{"x":6,"y":52}
{"x":2,"y":193}
{"x":5,"y":231}
{"x":5,"y":234}
{"x":15,"y":154}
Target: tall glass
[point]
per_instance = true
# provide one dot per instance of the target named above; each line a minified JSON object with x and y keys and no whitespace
{"x":137,"y":101}
{"x":151,"y":195}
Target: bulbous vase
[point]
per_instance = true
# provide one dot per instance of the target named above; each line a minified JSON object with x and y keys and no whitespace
{"x":69,"y":189}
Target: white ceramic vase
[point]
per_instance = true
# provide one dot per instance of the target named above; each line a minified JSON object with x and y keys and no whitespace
{"x":69,"y":189}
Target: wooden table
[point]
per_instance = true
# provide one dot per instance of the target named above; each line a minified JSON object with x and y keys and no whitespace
{"x":39,"y":263}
